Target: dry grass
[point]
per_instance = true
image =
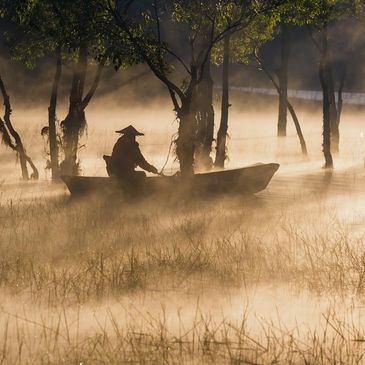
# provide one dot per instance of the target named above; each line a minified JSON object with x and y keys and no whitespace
{"x":73,"y":252}
{"x":63,"y":255}
{"x":61,"y":341}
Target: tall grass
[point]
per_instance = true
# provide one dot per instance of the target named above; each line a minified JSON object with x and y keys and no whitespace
{"x":73,"y":252}
{"x":204,"y":341}
{"x":61,"y":261}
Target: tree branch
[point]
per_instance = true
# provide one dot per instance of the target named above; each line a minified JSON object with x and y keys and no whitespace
{"x":172,"y":53}
{"x":18,"y":146}
{"x":288,"y":104}
{"x":95,"y":83}
{"x":173,"y":89}
{"x":312,"y":37}
{"x":6,"y":136}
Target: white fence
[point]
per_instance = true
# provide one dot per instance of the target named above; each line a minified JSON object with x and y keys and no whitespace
{"x":348,"y":98}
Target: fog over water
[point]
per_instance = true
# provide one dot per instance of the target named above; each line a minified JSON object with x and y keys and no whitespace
{"x":272,"y":278}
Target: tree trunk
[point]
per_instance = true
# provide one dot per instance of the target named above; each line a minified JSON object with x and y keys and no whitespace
{"x":185,"y":143}
{"x":75,"y":121}
{"x":323,"y":69}
{"x":340,"y":98}
{"x":335,"y":133}
{"x":283,"y":79}
{"x":205,"y":122}
{"x":210,"y":134}
{"x":223,"y":128}
{"x":23,"y":161}
{"x":290,"y":107}
{"x":9,"y":132}
{"x":7,"y":138}
{"x":298,"y":129}
{"x":53,"y":143}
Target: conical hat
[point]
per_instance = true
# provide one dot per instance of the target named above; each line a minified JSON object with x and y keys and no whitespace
{"x":130,"y":131}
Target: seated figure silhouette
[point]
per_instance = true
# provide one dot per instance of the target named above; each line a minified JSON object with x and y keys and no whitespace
{"x":126,"y":156}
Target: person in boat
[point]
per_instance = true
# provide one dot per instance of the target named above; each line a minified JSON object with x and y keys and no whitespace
{"x":126,"y":156}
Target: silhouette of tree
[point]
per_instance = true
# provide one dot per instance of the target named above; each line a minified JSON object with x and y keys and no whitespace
{"x":74,"y":31}
{"x":149,"y":27}
{"x":12,"y":139}
{"x":319,"y":16}
{"x":237,"y":48}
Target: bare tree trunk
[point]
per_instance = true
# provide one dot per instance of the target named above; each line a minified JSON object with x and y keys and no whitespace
{"x":9,"y":132}
{"x":298,"y":129}
{"x":53,"y":143}
{"x":335,"y":133}
{"x":283,"y":79}
{"x":210,"y":133}
{"x":75,"y":121}
{"x":290,"y":107}
{"x":323,"y":69}
{"x":223,"y":128}
{"x":185,"y":143}
{"x":205,"y":122}
{"x":339,"y":95}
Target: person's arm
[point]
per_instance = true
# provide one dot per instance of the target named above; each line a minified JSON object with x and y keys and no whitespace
{"x":142,"y":163}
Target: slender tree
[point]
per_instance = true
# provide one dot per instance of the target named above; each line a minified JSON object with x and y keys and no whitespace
{"x":205,"y":121}
{"x":223,"y":128}
{"x":52,"y":117}
{"x":288,"y":105}
{"x":12,"y":138}
{"x":10,"y":135}
{"x":285,"y":46}
{"x":320,"y":16}
{"x":290,"y":14}
{"x":324,"y":77}
{"x":237,"y":48}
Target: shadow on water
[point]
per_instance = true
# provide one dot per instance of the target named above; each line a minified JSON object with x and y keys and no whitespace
{"x":176,"y":202}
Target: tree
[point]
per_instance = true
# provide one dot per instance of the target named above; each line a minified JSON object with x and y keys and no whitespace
{"x":32,"y":35}
{"x":149,"y":27}
{"x":52,"y":116}
{"x":12,"y":138}
{"x":223,"y":128}
{"x":288,"y":105}
{"x":285,"y":35}
{"x":290,"y":12}
{"x":237,"y":48}
{"x":205,"y":121}
{"x":320,"y":15}
{"x":76,"y":31}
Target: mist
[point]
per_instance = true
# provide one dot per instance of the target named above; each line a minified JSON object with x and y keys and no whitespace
{"x":185,"y":273}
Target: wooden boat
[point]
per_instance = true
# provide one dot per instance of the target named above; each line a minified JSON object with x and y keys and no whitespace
{"x":249,"y":180}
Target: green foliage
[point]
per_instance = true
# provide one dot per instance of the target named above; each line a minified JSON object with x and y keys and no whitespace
{"x":257,"y":26}
{"x":244,"y":43}
{"x":42,"y":26}
{"x":270,"y":13}
{"x":317,"y":12}
{"x":179,"y":35}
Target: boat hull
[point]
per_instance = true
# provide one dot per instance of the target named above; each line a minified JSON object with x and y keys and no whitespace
{"x":250,"y":180}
